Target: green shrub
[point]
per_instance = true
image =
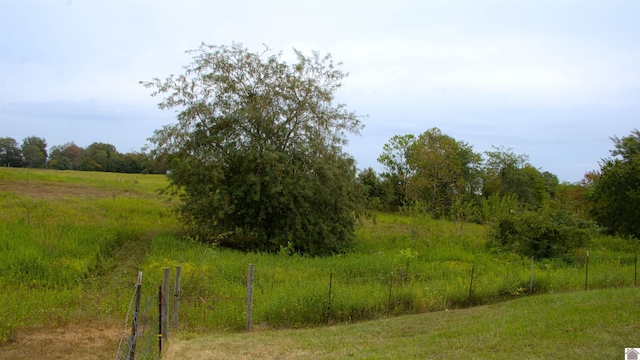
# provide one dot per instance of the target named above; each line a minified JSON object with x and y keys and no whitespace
{"x":543,"y":234}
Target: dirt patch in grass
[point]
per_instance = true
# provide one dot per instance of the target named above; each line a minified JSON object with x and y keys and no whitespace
{"x":53,"y":190}
{"x":82,"y":342}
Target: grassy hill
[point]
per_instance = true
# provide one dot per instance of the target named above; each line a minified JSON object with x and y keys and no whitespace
{"x":72,"y":242}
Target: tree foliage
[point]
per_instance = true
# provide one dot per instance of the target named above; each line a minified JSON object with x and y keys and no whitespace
{"x":506,"y":173}
{"x":100,"y":157}
{"x":257,"y":149}
{"x":34,"y":151}
{"x":543,"y":233}
{"x":66,"y":157}
{"x":395,"y":159}
{"x":444,"y":170}
{"x":378,"y":192}
{"x":615,"y":191}
{"x":10,"y":153}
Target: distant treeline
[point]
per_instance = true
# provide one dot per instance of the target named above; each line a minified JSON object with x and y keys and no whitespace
{"x":32,"y":153}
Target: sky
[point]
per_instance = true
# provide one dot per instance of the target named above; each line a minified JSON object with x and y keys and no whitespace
{"x":550,"y":79}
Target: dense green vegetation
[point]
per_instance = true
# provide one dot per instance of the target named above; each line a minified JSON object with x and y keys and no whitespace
{"x":615,"y":191}
{"x":257,"y":150}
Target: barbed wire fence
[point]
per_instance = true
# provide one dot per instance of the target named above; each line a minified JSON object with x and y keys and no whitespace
{"x":148,"y":322}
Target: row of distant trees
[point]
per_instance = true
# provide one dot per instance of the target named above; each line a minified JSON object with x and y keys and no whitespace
{"x":439,"y":172}
{"x":530,"y":210}
{"x":34,"y":153}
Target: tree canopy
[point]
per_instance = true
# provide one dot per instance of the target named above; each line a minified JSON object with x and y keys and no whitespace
{"x":257,"y":149}
{"x":10,"y":153}
{"x":34,"y":151}
{"x":615,"y":190}
{"x":444,"y":170}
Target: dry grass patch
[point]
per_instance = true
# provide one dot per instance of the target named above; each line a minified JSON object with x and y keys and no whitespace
{"x":81,"y":342}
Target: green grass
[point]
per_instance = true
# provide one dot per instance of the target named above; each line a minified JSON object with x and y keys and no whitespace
{"x":397,"y":266}
{"x":72,"y":242}
{"x":65,"y":239}
{"x":596,"y":324}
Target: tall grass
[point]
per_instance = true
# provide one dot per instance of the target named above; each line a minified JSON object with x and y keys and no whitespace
{"x":72,"y":242}
{"x":61,"y":240}
{"x":398,"y":265}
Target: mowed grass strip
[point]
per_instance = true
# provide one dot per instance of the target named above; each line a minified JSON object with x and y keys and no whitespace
{"x":596,"y":324}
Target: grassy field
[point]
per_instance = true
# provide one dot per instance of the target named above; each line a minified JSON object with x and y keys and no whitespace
{"x":597,"y":324}
{"x":72,"y":242}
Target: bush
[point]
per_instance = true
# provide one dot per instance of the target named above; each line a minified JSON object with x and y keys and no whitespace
{"x":543,"y":234}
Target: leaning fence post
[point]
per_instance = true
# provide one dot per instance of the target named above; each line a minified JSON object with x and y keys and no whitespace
{"x":176,"y":295}
{"x":164,"y":309}
{"x":134,"y":324}
{"x":249,"y":296}
{"x":531,"y":278}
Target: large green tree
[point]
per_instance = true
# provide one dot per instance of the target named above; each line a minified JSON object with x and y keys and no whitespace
{"x":100,"y":157}
{"x":66,"y":157}
{"x":444,"y":171}
{"x":615,"y":192}
{"x":257,"y":149}
{"x":34,"y":151}
{"x":10,"y":153}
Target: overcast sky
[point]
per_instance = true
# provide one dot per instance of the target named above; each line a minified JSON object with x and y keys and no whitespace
{"x":553,"y":80}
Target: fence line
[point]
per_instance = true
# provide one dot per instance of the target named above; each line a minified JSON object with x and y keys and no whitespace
{"x":480,"y":282}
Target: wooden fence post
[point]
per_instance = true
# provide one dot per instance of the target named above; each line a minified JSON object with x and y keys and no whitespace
{"x":164,"y":309}
{"x":249,"y":296}
{"x":176,"y":296}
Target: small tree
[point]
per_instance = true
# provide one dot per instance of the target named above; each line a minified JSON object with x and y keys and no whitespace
{"x":257,"y":150}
